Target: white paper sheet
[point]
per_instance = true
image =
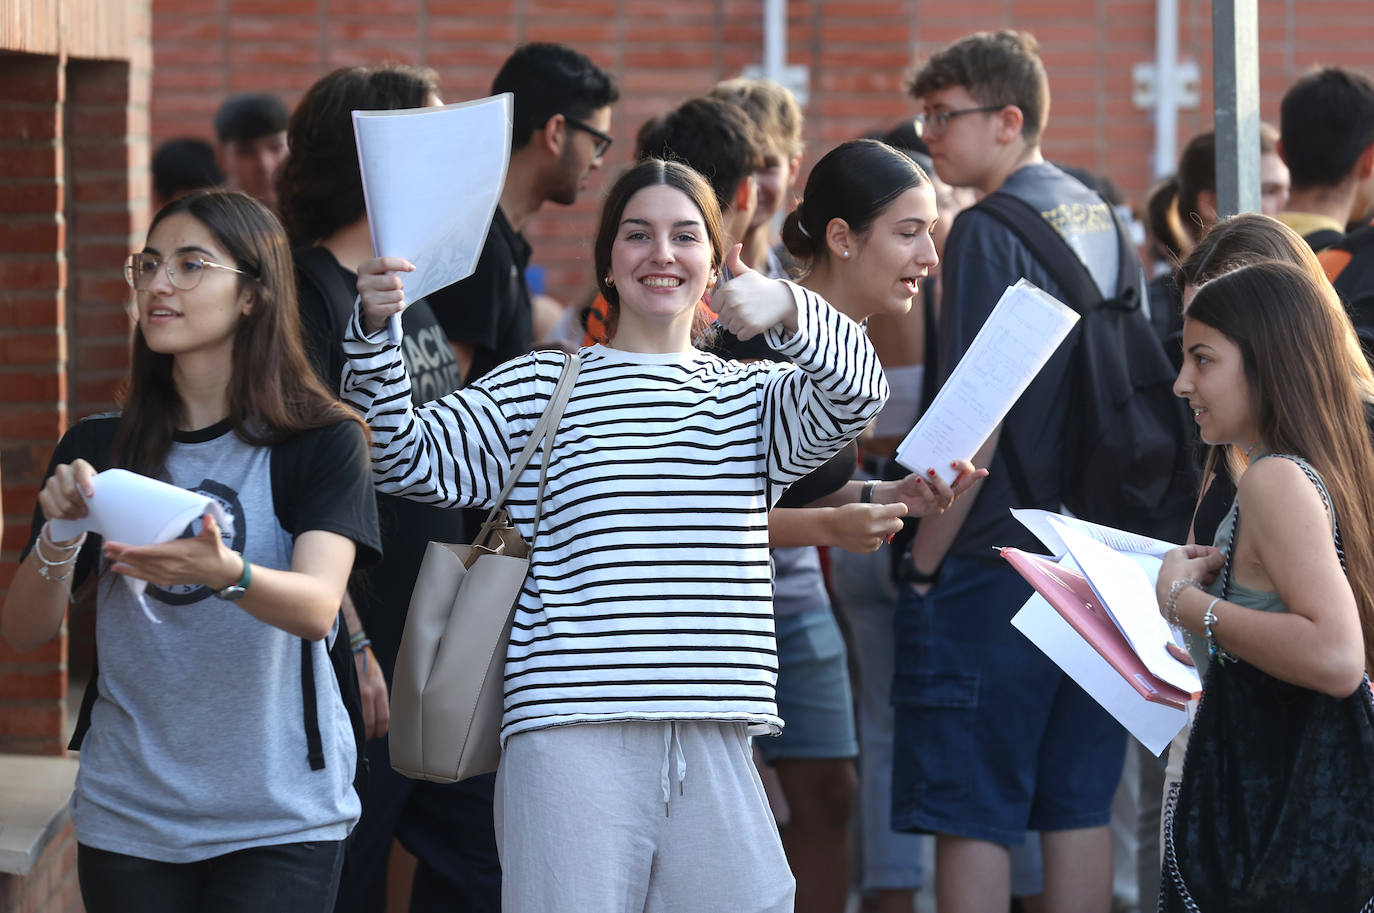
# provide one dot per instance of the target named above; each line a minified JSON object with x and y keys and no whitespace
{"x":1020,"y":335}
{"x":432,"y":178}
{"x":1154,"y":725}
{"x":1129,"y":597}
{"x":1038,"y":522}
{"x":135,"y":510}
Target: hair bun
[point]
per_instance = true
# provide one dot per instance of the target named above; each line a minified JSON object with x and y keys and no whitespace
{"x":798,"y":241}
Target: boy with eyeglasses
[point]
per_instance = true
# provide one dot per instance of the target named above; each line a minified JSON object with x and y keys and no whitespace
{"x":991,"y":738}
{"x":560,"y":135}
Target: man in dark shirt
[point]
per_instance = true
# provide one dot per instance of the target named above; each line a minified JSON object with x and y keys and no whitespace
{"x":991,"y":738}
{"x":1326,"y":135}
{"x":561,"y":131}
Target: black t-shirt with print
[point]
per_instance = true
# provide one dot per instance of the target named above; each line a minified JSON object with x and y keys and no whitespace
{"x":491,"y":308}
{"x":382,"y":595}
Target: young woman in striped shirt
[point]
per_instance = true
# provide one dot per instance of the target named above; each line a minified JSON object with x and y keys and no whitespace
{"x":647,"y":611}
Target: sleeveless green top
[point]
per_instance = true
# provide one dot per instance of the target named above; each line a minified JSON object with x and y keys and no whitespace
{"x":1260,"y":600}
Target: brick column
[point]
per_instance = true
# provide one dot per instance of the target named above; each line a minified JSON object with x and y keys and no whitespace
{"x":33,"y":356}
{"x":106,"y":140}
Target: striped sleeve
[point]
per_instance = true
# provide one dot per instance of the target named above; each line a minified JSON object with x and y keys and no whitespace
{"x":452,"y":452}
{"x":833,"y":389}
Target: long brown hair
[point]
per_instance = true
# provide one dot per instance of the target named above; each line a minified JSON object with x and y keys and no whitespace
{"x":1250,"y":237}
{"x":273,"y":392}
{"x":1294,"y":343}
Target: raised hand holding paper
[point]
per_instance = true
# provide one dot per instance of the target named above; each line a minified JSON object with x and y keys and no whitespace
{"x":432,"y":178}
{"x":1020,"y":335}
{"x":135,"y":510}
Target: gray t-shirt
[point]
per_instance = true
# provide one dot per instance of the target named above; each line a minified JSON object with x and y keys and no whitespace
{"x":982,"y":258}
{"x":196,"y":746}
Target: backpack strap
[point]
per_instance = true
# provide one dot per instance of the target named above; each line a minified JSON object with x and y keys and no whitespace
{"x":1051,"y":251}
{"x":314,"y":744}
{"x":1323,"y":238}
{"x":283,"y":458}
{"x":102,"y":430}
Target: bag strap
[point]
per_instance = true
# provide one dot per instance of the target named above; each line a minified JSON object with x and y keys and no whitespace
{"x":545,"y":427}
{"x":1326,"y":503}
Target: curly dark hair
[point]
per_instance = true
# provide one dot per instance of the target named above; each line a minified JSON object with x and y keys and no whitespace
{"x":320,"y":188}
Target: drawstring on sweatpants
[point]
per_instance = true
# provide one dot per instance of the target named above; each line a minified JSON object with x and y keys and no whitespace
{"x":672,"y":747}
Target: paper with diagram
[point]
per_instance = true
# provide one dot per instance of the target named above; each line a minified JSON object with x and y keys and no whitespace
{"x":133,"y":509}
{"x":1023,"y":331}
{"x":431,"y":179}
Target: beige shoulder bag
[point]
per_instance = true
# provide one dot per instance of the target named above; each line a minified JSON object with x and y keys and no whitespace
{"x":447,"y":694}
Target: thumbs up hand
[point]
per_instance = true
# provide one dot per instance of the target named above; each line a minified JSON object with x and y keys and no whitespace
{"x":750,"y":304}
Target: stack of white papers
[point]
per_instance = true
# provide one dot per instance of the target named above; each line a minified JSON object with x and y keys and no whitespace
{"x":1121,"y":568}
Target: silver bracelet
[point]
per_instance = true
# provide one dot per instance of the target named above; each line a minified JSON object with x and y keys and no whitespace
{"x":46,"y":564}
{"x":1209,"y":618}
{"x":1171,"y":605}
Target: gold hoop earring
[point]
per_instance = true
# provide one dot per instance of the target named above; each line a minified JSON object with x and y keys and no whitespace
{"x":610,"y":281}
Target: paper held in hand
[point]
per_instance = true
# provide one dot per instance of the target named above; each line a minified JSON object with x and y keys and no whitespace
{"x":133,"y":509}
{"x":432,"y":178}
{"x":1095,"y":615}
{"x":1020,"y":335}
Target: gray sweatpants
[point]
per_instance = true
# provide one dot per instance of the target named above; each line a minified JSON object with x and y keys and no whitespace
{"x":637,"y":817}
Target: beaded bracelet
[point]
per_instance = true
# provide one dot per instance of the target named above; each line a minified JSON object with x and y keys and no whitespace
{"x":1171,"y":605}
{"x":364,"y":647}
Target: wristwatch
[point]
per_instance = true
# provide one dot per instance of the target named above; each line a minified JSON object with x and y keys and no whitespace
{"x":234,"y":591}
{"x":907,"y":571}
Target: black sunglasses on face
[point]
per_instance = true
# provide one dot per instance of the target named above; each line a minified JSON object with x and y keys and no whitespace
{"x":603,"y":140}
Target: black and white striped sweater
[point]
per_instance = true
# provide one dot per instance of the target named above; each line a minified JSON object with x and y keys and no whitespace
{"x":649,"y":596}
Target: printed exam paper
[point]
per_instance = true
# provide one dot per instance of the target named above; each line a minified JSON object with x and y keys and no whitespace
{"x":1020,"y":335}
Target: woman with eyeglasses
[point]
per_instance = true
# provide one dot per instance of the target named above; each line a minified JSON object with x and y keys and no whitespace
{"x":217,"y":757}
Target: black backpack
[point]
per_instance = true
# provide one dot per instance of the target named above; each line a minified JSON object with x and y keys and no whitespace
{"x":1355,"y":282}
{"x":101,"y":429}
{"x":1128,"y":439}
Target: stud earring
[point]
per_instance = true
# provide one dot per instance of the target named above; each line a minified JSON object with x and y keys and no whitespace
{"x":845,"y":254}
{"x":610,"y":281}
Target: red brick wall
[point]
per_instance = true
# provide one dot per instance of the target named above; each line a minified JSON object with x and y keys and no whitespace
{"x":73,"y":188}
{"x":33,"y":380}
{"x":51,"y":886}
{"x":857,"y":52}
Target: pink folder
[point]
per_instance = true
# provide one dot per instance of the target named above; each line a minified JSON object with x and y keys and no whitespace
{"x":1072,"y":597}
